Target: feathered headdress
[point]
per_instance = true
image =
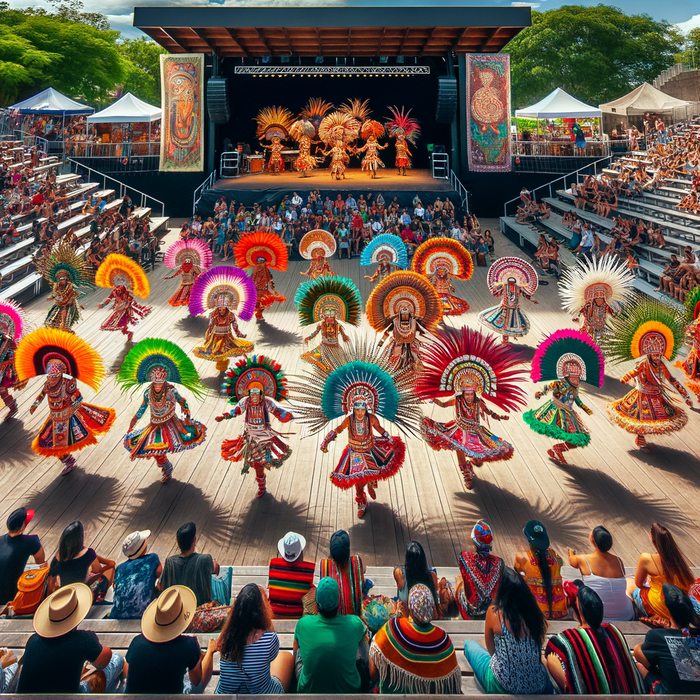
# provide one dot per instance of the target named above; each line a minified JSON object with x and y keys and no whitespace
{"x":315,"y":109}
{"x":340,"y":293}
{"x":236,"y":288}
{"x":273,"y":121}
{"x":402,"y":288}
{"x":316,"y":240}
{"x":45,"y":346}
{"x":608,"y":278}
{"x":63,"y":260}
{"x":261,"y":244}
{"x":372,"y":128}
{"x":196,"y":250}
{"x":257,"y":372}
{"x":402,"y":123}
{"x":13,"y":320}
{"x":640,"y":329}
{"x":462,"y":358}
{"x":118,"y":270}
{"x":338,"y":126}
{"x":385,"y":248}
{"x":692,"y":305}
{"x":443,"y":252}
{"x":568,"y":352}
{"x":302,"y":127}
{"x":156,"y":353}
{"x":357,"y":109}
{"x":521,"y":270}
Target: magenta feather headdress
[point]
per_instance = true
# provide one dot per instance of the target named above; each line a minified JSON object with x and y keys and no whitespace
{"x":224,"y":286}
{"x":178,"y":252}
{"x":558,"y":354}
{"x":402,"y":123}
{"x":13,"y":320}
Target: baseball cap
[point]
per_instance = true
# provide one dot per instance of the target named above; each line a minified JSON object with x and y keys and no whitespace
{"x":134,"y":542}
{"x":19,"y":517}
{"x":327,"y":594}
{"x":291,"y":546}
{"x":536,"y":534}
{"x":340,"y":545}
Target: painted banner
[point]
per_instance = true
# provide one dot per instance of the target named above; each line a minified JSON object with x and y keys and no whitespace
{"x":182,"y":95}
{"x":488,"y":100}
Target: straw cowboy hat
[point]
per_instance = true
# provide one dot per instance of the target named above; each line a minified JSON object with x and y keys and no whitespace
{"x":63,"y":611}
{"x":169,"y":615}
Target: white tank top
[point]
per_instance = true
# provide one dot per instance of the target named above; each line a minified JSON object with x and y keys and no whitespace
{"x":613,"y":592}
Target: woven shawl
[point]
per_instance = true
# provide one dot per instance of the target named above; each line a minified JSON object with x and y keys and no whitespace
{"x":350,"y":588}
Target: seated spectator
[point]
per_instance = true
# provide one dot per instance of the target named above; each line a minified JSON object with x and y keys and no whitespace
{"x":8,"y":670}
{"x":514,"y":632}
{"x":411,"y":656}
{"x":55,"y":655}
{"x":251,"y":660}
{"x":189,"y":568}
{"x":162,"y":660}
{"x":594,"y":658}
{"x":135,"y":579}
{"x":479,"y":574}
{"x":541,"y":567}
{"x":669,"y":659}
{"x":326,"y":646}
{"x":290,"y":577}
{"x":15,"y":550}
{"x":348,"y":571}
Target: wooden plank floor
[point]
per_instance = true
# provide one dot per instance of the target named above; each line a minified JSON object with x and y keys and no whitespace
{"x":609,"y":483}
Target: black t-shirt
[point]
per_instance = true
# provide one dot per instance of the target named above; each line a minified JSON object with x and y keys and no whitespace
{"x":159,"y":668}
{"x":674,"y":659}
{"x":54,"y":665}
{"x":14,"y":554}
{"x":73,"y":570}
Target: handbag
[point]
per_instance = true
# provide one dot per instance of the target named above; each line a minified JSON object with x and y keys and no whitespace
{"x":208,"y":618}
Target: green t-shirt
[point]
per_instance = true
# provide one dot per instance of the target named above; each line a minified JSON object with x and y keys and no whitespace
{"x":328,"y":649}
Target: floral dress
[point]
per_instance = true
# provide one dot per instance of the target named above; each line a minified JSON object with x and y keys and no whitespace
{"x":507,"y":318}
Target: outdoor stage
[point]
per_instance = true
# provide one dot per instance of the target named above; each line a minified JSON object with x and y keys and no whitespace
{"x":610,"y":482}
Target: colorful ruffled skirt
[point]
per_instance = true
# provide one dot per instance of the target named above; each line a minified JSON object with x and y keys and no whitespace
{"x":182,"y":296}
{"x":317,"y":355}
{"x":452,"y":305}
{"x":62,"y":317}
{"x":403,"y":163}
{"x":261,"y":448}
{"x":479,"y":443}
{"x":162,"y":438}
{"x":59,"y":437}
{"x":119,"y":320}
{"x":555,"y":421}
{"x":505,"y":321}
{"x":221,"y":347}
{"x":382,"y":461}
{"x":372,"y":163}
{"x":267,"y":298}
{"x":691,"y":367}
{"x":645,"y":414}
{"x":305,"y":161}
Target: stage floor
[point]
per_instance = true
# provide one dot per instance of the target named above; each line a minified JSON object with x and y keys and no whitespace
{"x":609,"y":483}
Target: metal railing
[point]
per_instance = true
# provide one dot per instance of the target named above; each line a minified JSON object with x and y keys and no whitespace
{"x":230,"y":163}
{"x":461,"y":190}
{"x":98,"y":149}
{"x":204,"y":186}
{"x":560,"y":149}
{"x":440,"y":166}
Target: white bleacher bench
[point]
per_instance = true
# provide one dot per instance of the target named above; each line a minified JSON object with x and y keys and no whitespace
{"x":14,"y":290}
{"x":14,"y":250}
{"x":103,"y":194}
{"x":159,"y":223}
{"x":113,"y":204}
{"x":45,"y":168}
{"x":79,"y":191}
{"x":140,"y":213}
{"x":73,"y":221}
{"x":67,"y":179}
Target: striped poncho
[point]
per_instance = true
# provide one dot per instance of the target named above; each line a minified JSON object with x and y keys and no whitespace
{"x":413,"y":659}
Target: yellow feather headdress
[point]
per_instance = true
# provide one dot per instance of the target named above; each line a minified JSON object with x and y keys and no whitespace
{"x":119,"y":270}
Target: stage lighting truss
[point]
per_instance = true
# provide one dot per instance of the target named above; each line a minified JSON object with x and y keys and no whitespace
{"x":308,"y":71}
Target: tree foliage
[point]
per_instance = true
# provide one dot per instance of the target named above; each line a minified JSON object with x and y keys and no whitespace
{"x":143,"y":77}
{"x":596,"y":53}
{"x":690,"y":53}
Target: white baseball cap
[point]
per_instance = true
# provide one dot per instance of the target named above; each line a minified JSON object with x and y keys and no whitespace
{"x":291,"y":546}
{"x":134,"y":542}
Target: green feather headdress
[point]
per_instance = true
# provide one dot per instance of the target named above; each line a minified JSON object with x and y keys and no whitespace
{"x":337,"y":292}
{"x":692,"y":305}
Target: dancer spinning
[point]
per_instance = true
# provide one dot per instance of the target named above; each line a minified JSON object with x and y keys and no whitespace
{"x":72,"y":424}
{"x":648,"y":332}
{"x":191,"y":258}
{"x":565,"y":359}
{"x":691,"y":364}
{"x":595,"y":288}
{"x":440,"y":259}
{"x":337,"y":131}
{"x":317,"y":245}
{"x":328,"y":301}
{"x":163,"y":364}
{"x":470,"y":367}
{"x":387,"y":252}
{"x":303,"y":132}
{"x":224,"y":290}
{"x":13,"y":323}
{"x":255,"y":386}
{"x":128,"y":279}
{"x":371,"y":131}
{"x":273,"y":125}
{"x":402,"y":128}
{"x":509,"y":278}
{"x":404,"y":306}
{"x":263,"y":251}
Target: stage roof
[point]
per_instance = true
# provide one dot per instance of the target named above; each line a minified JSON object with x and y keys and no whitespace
{"x":358,"y":28}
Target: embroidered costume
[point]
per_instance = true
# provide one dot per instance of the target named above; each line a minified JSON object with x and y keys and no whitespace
{"x":256,"y":386}
{"x":691,"y":364}
{"x":337,"y":131}
{"x":13,"y":323}
{"x":440,"y":259}
{"x":371,"y":131}
{"x":303,"y":132}
{"x":72,"y":424}
{"x":163,"y":364}
{"x":481,"y":573}
{"x":509,"y":278}
{"x":470,"y":367}
{"x":224,"y":290}
{"x":273,"y":126}
{"x":317,"y":245}
{"x":403,"y":128}
{"x":387,"y":252}
{"x":191,"y":258}
{"x":567,"y":358}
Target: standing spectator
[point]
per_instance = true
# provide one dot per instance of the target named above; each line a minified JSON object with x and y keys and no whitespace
{"x":290,"y":577}
{"x":351,"y":203}
{"x":348,"y":571}
{"x":15,"y":550}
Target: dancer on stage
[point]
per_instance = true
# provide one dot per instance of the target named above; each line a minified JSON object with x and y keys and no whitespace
{"x":13,"y":323}
{"x":387,"y":252}
{"x":509,"y":278}
{"x":303,"y":132}
{"x":337,"y":131}
{"x":255,"y":386}
{"x":691,"y":364}
{"x":273,"y":125}
{"x":128,"y":280}
{"x":404,"y":306}
{"x":329,"y":302}
{"x":191,"y":257}
{"x":402,"y":128}
{"x":66,"y":270}
{"x":647,"y":331}
{"x":371,"y":131}
{"x":317,"y":245}
{"x":262,"y":251}
{"x":470,"y":367}
{"x":73,"y":423}
{"x":564,"y":359}
{"x":161,"y":364}
{"x":440,"y":259}
{"x":225,"y":290}
{"x":595,"y":288}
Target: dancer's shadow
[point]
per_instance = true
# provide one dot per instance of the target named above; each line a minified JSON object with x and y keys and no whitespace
{"x":193,"y":325}
{"x":612,"y":390}
{"x":261,"y":525}
{"x":271,"y":335}
{"x":20,"y":453}
{"x":214,"y":383}
{"x":119,"y":360}
{"x":672,"y":461}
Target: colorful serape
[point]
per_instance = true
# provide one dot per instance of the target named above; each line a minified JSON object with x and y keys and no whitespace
{"x":288,"y":583}
{"x":350,"y":586}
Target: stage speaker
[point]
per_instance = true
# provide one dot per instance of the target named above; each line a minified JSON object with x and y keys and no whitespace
{"x":218,"y":101}
{"x":446,"y":99}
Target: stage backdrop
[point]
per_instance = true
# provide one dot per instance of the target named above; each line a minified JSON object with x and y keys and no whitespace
{"x":488,"y":100}
{"x":182,"y":100}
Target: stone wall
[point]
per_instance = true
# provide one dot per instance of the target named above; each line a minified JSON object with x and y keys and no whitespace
{"x":684,"y":86}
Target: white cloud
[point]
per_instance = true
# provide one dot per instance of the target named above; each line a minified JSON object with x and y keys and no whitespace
{"x":692,"y":23}
{"x":525,"y":4}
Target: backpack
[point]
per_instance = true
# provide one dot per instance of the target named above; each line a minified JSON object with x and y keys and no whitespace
{"x":31,"y":591}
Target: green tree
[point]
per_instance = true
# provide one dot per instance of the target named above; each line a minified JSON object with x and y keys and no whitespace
{"x":143,"y":77}
{"x":690,"y":55}
{"x":21,"y":64}
{"x":596,"y":53}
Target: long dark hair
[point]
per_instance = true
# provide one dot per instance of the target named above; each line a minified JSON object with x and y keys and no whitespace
{"x":416,"y":568}
{"x":546,"y":575}
{"x":673,"y":562}
{"x":71,"y":542}
{"x":249,"y":612}
{"x":590,"y":609}
{"x":516,"y":603}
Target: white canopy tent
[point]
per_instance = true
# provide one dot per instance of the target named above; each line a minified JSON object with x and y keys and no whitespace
{"x":51,"y":101}
{"x":643,"y":99}
{"x":558,"y":105}
{"x":127,"y":108}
